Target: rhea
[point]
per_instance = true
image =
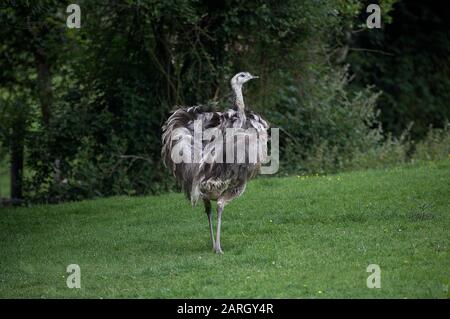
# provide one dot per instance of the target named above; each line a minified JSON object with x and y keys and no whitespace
{"x":210,"y":178}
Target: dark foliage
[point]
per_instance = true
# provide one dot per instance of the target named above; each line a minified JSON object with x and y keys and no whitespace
{"x":85,"y":106}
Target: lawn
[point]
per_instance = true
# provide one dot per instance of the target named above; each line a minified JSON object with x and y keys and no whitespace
{"x":294,"y":237}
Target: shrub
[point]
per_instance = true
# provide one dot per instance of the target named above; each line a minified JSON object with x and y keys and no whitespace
{"x":435,"y":145}
{"x":324,"y":129}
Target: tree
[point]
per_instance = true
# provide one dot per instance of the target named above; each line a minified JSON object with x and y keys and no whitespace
{"x":408,"y":60}
{"x":30,"y":35}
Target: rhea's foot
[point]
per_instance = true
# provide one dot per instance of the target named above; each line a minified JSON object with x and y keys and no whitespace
{"x":218,"y":250}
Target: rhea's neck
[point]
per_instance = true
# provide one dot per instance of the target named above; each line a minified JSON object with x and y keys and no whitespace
{"x":238,"y":98}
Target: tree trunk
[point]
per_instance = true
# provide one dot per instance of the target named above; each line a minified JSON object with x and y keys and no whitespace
{"x":44,"y":86}
{"x":163,"y":60}
{"x":17,"y":148}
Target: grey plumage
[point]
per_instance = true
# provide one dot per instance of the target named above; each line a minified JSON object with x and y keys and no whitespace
{"x":211,"y":177}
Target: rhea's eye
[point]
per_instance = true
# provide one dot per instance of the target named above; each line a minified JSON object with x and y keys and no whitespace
{"x":241,"y":75}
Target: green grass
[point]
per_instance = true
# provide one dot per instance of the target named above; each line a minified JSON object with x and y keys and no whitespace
{"x":285,"y":237}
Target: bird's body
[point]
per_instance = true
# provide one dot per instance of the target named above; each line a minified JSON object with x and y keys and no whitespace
{"x":211,"y":175}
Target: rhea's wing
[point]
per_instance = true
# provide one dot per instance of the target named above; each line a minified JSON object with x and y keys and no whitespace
{"x":178,"y":138}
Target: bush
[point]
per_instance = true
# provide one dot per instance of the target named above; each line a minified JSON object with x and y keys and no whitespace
{"x":95,"y":130}
{"x":323,"y":130}
{"x":389,"y":152}
{"x":435,"y":145}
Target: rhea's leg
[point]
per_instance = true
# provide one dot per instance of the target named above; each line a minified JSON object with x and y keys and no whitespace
{"x":220,"y":206}
{"x":208,"y":213}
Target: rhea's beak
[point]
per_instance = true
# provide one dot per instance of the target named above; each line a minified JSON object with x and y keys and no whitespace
{"x":255,"y":77}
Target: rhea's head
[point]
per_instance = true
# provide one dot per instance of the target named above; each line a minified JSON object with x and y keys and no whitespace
{"x":241,"y":78}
